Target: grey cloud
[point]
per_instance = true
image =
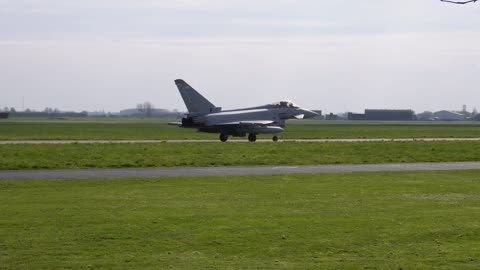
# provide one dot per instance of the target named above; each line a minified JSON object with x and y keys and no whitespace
{"x":331,"y":55}
{"x":68,"y":18}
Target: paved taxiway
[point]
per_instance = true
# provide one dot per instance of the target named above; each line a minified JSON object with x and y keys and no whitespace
{"x":235,"y":141}
{"x":211,"y":171}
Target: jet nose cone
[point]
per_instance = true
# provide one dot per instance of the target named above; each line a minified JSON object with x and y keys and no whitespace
{"x":309,"y":114}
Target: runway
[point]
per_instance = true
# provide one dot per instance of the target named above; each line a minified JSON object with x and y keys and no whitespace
{"x":231,"y":141}
{"x":225,"y":171}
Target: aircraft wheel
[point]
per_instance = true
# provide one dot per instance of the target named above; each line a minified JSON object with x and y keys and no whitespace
{"x":252,"y":137}
{"x":275,"y":138}
{"x":223,"y":137}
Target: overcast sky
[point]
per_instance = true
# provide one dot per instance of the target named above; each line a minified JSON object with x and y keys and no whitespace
{"x":335,"y":56}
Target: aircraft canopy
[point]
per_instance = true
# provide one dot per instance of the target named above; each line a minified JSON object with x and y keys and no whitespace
{"x":285,"y":103}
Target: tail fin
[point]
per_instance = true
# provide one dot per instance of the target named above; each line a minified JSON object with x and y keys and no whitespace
{"x":195,"y":102}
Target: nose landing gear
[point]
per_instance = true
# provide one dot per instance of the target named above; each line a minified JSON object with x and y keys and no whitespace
{"x":275,"y":138}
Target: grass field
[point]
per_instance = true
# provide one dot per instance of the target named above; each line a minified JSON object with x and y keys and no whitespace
{"x":24,"y":156}
{"x":37,"y":130}
{"x":396,"y":220}
{"x":93,"y":119}
{"x":295,"y":121}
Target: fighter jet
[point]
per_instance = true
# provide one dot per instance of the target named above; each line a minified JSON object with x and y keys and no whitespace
{"x":459,"y":2}
{"x":206,"y":117}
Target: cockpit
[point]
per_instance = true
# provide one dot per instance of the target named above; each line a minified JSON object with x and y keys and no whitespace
{"x":285,"y":103}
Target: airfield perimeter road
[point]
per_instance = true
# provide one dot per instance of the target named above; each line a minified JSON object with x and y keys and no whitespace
{"x":236,"y":140}
{"x":212,"y":171}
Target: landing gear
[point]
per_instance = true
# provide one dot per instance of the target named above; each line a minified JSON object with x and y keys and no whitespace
{"x":275,"y":138}
{"x":252,"y":137}
{"x":223,"y":137}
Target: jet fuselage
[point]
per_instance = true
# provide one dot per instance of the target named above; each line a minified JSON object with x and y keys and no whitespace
{"x":267,"y":119}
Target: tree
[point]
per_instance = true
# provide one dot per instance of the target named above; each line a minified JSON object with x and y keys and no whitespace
{"x":12,"y":110}
{"x":146,"y":108}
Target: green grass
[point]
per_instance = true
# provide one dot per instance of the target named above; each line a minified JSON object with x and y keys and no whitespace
{"x":379,"y":122}
{"x":23,"y":156}
{"x":86,"y":131}
{"x":92,"y":119}
{"x":294,"y":130}
{"x":396,"y":220}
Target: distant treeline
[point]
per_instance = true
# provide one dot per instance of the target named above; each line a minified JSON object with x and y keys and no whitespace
{"x":48,"y":114}
{"x":59,"y":114}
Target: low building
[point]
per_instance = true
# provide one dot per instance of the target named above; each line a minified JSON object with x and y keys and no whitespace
{"x":425,"y":116}
{"x":153,"y":113}
{"x":402,"y":115}
{"x":97,"y":114}
{"x":448,"y":116}
{"x":4,"y":115}
{"x":331,"y":116}
{"x":355,"y":116}
{"x":371,"y":114}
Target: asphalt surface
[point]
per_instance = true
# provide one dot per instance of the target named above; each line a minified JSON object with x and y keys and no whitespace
{"x":212,"y":171}
{"x":230,"y":141}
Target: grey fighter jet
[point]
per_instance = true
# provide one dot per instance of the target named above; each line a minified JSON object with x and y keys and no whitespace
{"x":459,"y":2}
{"x":206,"y":117}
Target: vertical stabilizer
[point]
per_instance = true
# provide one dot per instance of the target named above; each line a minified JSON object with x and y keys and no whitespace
{"x":195,"y":102}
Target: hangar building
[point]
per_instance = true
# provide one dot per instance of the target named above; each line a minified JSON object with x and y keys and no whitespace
{"x":448,"y":116}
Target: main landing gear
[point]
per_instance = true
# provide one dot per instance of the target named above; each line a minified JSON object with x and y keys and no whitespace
{"x":223,"y":137}
{"x":251,"y":137}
